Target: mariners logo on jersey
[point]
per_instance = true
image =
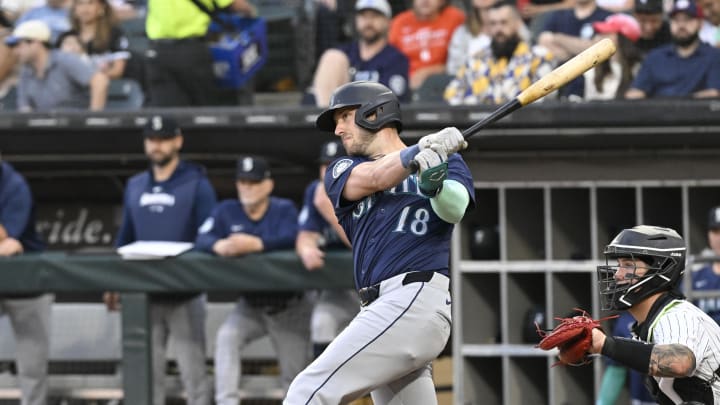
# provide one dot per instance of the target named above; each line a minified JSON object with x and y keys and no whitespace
{"x":340,"y":167}
{"x":157,"y":200}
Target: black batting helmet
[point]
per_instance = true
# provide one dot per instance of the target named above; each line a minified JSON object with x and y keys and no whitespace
{"x":661,"y":249}
{"x":369,"y":98}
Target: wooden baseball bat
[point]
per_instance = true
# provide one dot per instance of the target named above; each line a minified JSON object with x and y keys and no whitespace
{"x":560,"y":76}
{"x":579,"y":64}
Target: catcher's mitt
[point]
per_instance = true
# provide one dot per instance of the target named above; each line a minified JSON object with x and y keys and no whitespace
{"x":572,"y":337}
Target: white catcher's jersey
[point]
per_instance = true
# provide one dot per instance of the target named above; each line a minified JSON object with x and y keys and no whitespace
{"x":682,"y":322}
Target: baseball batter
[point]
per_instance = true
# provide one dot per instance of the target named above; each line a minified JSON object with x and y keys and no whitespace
{"x":679,"y":344}
{"x":399,"y":224}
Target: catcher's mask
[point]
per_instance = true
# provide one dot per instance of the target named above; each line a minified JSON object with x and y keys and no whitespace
{"x":662,"y":250}
{"x":369,"y":98}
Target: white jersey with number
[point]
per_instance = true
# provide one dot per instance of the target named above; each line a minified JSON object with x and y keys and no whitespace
{"x":684,"y":323}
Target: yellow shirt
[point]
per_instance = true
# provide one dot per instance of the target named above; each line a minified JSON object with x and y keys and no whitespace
{"x":174,"y":19}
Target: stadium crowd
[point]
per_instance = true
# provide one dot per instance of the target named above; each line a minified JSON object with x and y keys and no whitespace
{"x":431,"y":51}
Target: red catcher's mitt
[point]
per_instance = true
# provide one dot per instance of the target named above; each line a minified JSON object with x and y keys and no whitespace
{"x":572,"y":337}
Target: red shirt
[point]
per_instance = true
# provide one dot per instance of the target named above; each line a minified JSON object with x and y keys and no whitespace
{"x":425,"y":43}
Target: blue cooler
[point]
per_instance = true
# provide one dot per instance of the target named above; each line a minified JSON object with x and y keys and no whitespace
{"x":240,"y":54}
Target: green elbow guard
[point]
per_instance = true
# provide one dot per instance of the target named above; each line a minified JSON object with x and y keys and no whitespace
{"x":450,"y":203}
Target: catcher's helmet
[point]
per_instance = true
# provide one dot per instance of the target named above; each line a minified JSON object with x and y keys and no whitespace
{"x":661,"y":249}
{"x":369,"y":98}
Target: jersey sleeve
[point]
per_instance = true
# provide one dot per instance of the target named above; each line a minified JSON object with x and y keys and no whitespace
{"x":460,"y":172}
{"x":17,"y":206}
{"x":205,"y":200}
{"x":126,"y":233}
{"x":685,"y":328}
{"x":309,"y":218}
{"x":211,"y":230}
{"x":336,"y":176}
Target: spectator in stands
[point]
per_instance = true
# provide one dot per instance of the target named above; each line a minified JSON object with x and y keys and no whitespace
{"x":101,"y":37}
{"x":569,"y":32}
{"x":370,"y":57}
{"x":332,"y":24}
{"x":179,"y":63}
{"x":471,"y":37}
{"x":710,"y":31}
{"x":474,"y":36}
{"x":503,"y":70}
{"x":320,"y":231}
{"x":8,"y":65}
{"x":54,"y":13}
{"x":252,"y":223}
{"x":654,"y":28}
{"x":51,"y":79}
{"x":616,"y":376}
{"x":423,"y":35}
{"x":11,"y":10}
{"x":686,"y":68}
{"x":168,"y":202}
{"x":29,"y":313}
{"x":612,"y":78}
{"x":708,"y":277}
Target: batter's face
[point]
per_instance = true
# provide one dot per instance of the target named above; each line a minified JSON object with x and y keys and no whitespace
{"x":371,"y":25}
{"x":253,"y":192}
{"x":162,"y":151}
{"x":714,"y":240}
{"x":356,"y":140}
{"x":629,"y":269}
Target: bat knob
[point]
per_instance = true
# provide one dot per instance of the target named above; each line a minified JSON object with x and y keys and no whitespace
{"x":413,"y":166}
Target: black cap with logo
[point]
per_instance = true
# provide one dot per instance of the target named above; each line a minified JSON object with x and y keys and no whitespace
{"x":330,"y":151}
{"x":252,"y":168}
{"x":159,"y":126}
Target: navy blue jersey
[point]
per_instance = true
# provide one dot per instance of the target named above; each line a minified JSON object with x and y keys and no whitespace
{"x":17,"y":209}
{"x":311,"y":220}
{"x":393,"y":231}
{"x":277,"y":228}
{"x":706,"y":279}
{"x":170,"y":210}
{"x":389,"y":67}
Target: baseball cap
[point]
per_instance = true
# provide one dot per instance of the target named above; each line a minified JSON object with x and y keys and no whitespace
{"x":381,"y":6}
{"x":685,"y":6}
{"x":330,"y":151}
{"x":648,"y":6}
{"x":159,"y":126}
{"x":618,"y":23}
{"x":714,"y":218}
{"x":252,"y":168}
{"x":33,"y":29}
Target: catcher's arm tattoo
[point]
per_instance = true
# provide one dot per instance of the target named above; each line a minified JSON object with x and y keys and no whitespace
{"x":672,"y":360}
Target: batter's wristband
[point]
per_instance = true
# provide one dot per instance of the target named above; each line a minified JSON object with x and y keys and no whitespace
{"x":628,"y":352}
{"x":408,"y":154}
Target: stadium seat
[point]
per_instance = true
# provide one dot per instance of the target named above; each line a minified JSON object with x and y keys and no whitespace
{"x":124,"y":94}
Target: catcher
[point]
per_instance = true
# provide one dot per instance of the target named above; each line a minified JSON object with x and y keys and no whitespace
{"x":676,"y":344}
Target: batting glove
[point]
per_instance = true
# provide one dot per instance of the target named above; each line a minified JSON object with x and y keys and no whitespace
{"x":450,"y":138}
{"x":432,"y":156}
